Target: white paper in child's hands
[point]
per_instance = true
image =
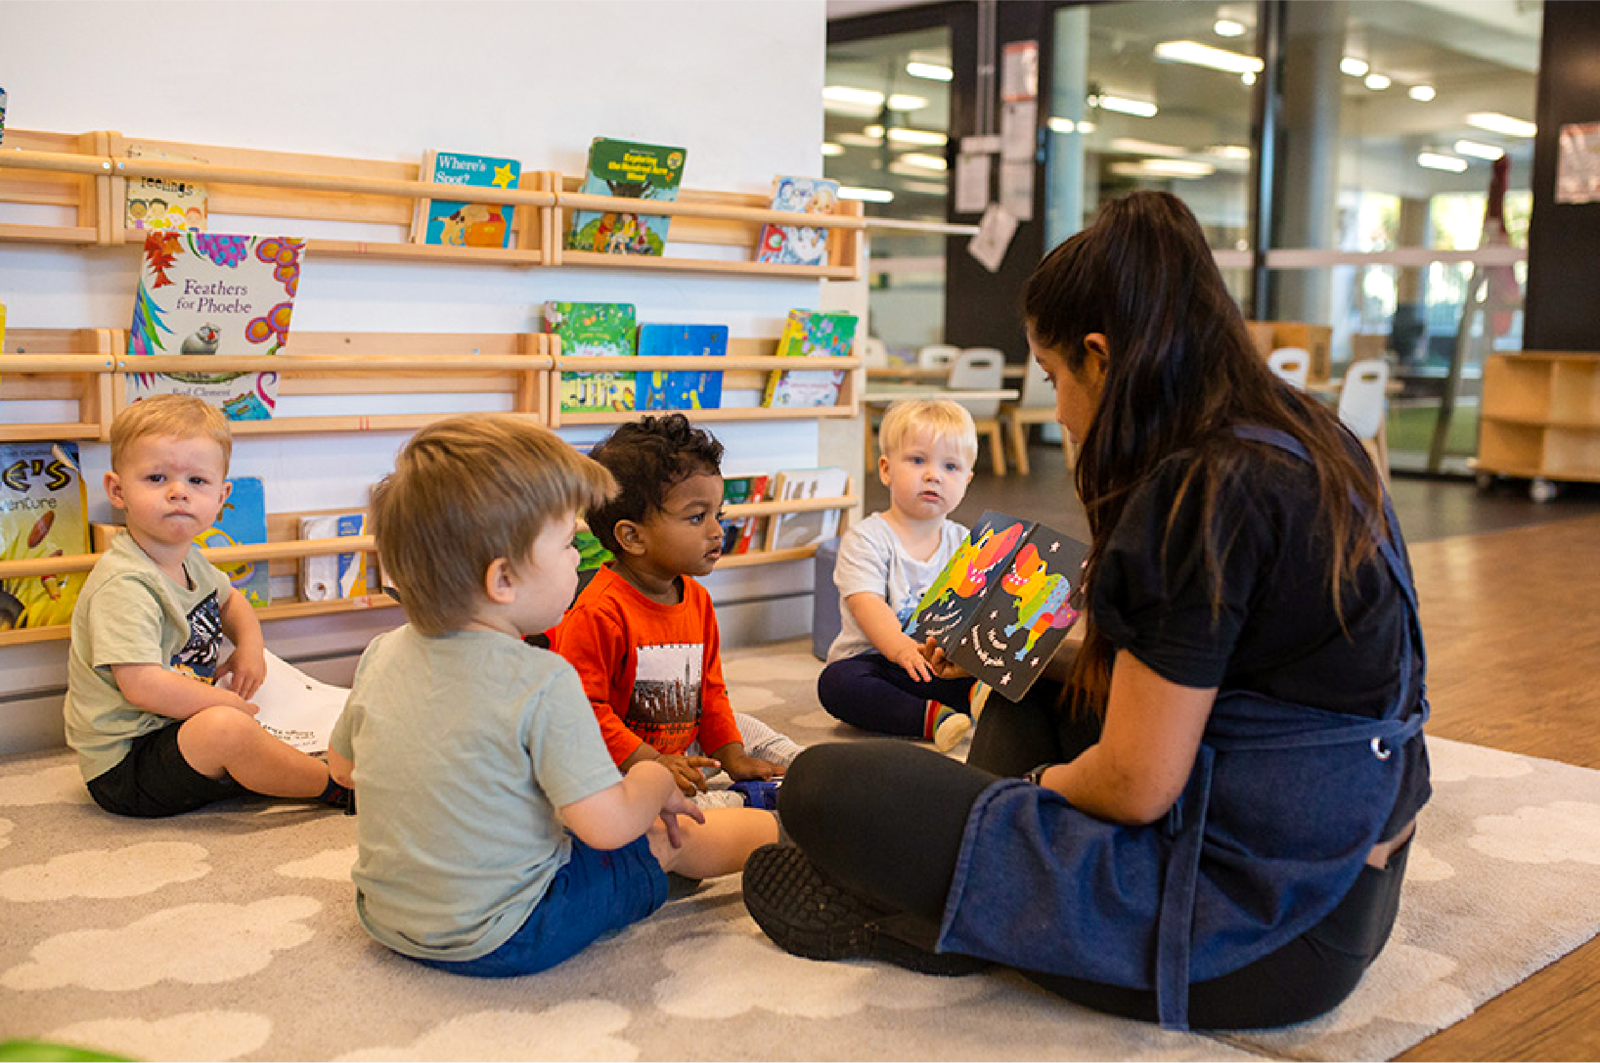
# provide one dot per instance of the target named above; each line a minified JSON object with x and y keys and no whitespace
{"x":297,"y":708}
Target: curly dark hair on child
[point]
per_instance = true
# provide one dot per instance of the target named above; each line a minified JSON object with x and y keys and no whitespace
{"x":648,"y":458}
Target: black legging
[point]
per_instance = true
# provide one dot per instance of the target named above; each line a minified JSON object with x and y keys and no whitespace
{"x":886,"y":819}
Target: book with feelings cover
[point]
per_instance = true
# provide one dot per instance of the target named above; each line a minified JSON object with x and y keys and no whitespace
{"x":42,"y":514}
{"x":594,"y":330}
{"x":164,"y":203}
{"x":451,"y":222}
{"x":631,"y":171}
{"x":1004,"y":602}
{"x":206,"y":293}
{"x":799,"y":245}
{"x":662,"y":389}
{"x":809,"y":333}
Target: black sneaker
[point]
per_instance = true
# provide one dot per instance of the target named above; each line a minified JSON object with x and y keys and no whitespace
{"x":811,"y":916}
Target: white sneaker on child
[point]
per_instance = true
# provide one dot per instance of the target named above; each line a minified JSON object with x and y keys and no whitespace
{"x":951,"y":731}
{"x":979,"y":698}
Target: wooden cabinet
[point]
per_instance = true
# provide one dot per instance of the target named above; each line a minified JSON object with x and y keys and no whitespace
{"x":80,"y":180}
{"x":1540,"y":418}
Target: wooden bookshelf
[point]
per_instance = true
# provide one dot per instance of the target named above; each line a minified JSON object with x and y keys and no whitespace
{"x":1540,"y":419}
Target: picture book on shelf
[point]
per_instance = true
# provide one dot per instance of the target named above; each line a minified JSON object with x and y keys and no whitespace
{"x":43,"y":513}
{"x":243,"y":520}
{"x":740,"y":533}
{"x":594,"y":330}
{"x":662,"y":389}
{"x":786,"y":531}
{"x":333,"y":575}
{"x":800,"y":245}
{"x":628,"y":170}
{"x":810,"y":333}
{"x":161,"y":202}
{"x":1004,"y":602}
{"x":206,"y":293}
{"x":452,"y":222}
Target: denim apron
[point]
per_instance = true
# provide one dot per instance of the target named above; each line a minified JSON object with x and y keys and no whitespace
{"x":1274,"y":825}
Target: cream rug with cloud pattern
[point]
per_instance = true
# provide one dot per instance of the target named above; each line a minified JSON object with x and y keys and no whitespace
{"x":231,"y":934}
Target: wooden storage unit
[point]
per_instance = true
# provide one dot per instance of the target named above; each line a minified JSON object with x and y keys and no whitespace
{"x":1540,"y":419}
{"x":80,"y":179}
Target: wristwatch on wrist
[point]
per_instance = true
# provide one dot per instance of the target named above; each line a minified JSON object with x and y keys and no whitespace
{"x":1036,"y":775}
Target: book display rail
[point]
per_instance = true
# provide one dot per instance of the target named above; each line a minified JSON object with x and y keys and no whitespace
{"x":84,"y":371}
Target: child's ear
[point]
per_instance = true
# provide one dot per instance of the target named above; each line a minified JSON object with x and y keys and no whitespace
{"x":629,"y":537}
{"x":499,"y":582}
{"x":883,"y":469}
{"x":114,"y":490}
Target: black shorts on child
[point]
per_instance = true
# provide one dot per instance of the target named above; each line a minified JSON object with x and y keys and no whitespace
{"x":154,"y":780}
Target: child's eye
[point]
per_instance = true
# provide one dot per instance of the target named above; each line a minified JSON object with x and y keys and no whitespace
{"x":155,"y":477}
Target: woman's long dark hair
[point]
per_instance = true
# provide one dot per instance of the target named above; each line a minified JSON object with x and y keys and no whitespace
{"x":1182,"y":373}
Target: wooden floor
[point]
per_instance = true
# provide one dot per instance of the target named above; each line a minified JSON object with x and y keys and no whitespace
{"x":1513,"y":636}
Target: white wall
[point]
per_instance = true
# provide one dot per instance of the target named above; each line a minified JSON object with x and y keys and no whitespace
{"x":737,"y":84}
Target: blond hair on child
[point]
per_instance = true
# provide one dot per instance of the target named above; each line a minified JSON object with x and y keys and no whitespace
{"x":174,"y":416}
{"x":468,"y":490}
{"x":941,"y":417}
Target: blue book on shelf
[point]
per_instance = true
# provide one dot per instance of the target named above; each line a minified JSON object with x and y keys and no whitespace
{"x":243,"y":520}
{"x":694,"y":390}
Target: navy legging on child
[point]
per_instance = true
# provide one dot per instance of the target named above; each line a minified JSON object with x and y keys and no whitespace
{"x":875,"y":694}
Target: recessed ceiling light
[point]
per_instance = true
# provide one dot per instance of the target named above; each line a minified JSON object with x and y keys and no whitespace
{"x":926,"y":137}
{"x":1162,"y":168}
{"x":1378,"y":82}
{"x":1422,"y":93}
{"x":1196,"y":54}
{"x":1503,"y":124}
{"x":924,"y":162}
{"x":1477,"y":150}
{"x":850,"y":95}
{"x":931,"y":71}
{"x":1227,"y":27}
{"x":1435,"y":161}
{"x":869,"y":195}
{"x":1130,"y":146}
{"x":830,"y":148}
{"x":1124,"y":105}
{"x":1356,"y":68}
{"x":1067,"y":125}
{"x":902,"y":102}
{"x":859,"y":140}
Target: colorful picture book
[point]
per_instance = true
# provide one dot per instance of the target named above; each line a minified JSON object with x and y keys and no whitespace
{"x":333,"y":575}
{"x":1004,"y":602}
{"x":799,"y":245}
{"x":631,"y":171}
{"x":161,"y":202}
{"x":448,"y":221}
{"x":206,"y":293}
{"x":594,"y":330}
{"x":740,"y":533}
{"x":809,"y":333}
{"x":243,"y":520}
{"x":43,"y":513}
{"x":661,"y":389}
{"x":789,"y":530}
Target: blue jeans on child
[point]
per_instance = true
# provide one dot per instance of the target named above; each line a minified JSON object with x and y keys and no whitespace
{"x":596,"y":893}
{"x":875,"y":694}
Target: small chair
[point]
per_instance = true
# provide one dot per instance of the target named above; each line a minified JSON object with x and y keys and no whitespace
{"x":982,"y":369}
{"x":1036,"y":406}
{"x":1364,"y":407}
{"x":937,"y":356}
{"x":1292,"y":364}
{"x":874,"y":352}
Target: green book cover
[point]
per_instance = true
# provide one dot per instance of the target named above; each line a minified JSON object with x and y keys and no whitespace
{"x":632,"y":171}
{"x":594,"y":330}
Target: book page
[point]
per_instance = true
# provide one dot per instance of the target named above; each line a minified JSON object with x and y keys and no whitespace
{"x":297,"y":708}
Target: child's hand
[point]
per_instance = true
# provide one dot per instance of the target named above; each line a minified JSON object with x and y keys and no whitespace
{"x":686,"y":771}
{"x":245,"y":672}
{"x":909,"y":657}
{"x":744,"y":767}
{"x":939,"y":662}
{"x":678,"y":805}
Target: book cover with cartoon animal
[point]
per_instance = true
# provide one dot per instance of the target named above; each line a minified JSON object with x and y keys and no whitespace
{"x":661,"y":389}
{"x":809,"y":333}
{"x":1004,"y":602}
{"x":628,"y":170}
{"x":594,"y":330}
{"x":206,"y":293}
{"x":799,"y":245}
{"x":42,"y":514}
{"x":243,"y":520}
{"x":452,"y":222}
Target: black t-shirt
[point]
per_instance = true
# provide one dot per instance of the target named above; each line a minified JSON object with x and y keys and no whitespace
{"x":1275,"y":631}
